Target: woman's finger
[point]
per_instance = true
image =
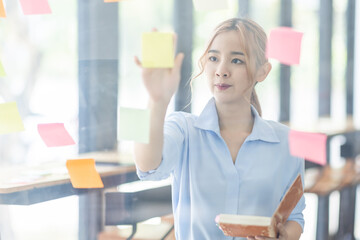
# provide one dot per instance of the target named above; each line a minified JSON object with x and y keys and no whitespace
{"x":175,"y":38}
{"x":282,"y":231}
{"x":137,"y":61}
{"x":177,"y":63}
{"x":260,"y":238}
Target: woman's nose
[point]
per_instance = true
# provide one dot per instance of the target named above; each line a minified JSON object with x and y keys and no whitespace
{"x":221,"y":74}
{"x":222,"y":71}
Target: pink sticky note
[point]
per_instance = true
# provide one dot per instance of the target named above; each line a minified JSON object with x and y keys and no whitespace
{"x":311,"y":146}
{"x":284,"y":44}
{"x":55,"y":135}
{"x":31,"y":7}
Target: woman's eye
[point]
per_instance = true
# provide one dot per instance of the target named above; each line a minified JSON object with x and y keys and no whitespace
{"x":237,"y":61}
{"x":212,"y":59}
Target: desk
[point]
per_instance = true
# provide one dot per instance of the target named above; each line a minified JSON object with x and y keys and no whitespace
{"x":24,"y":185}
{"x":347,"y":194}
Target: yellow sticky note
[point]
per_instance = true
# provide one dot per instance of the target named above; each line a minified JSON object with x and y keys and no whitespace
{"x":83,"y":173}
{"x":2,"y":70}
{"x":10,"y":120}
{"x":2,"y":9}
{"x":134,"y":124}
{"x":157,"y":50}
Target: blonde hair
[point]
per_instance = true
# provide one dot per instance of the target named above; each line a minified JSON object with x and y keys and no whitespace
{"x":253,"y":41}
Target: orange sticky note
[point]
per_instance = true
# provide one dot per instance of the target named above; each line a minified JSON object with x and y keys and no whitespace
{"x":55,"y":135}
{"x":2,"y":9}
{"x":311,"y":146}
{"x":284,"y":44}
{"x":31,"y":7}
{"x":111,"y":0}
{"x":83,"y":173}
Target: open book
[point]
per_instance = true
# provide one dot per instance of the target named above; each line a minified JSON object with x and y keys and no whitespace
{"x":243,"y":226}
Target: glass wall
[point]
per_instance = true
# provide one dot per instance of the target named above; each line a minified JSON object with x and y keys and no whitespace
{"x":39,"y":54}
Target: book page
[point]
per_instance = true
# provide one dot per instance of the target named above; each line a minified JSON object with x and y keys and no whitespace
{"x":244,"y":219}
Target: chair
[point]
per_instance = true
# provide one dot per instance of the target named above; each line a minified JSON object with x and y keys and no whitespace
{"x":344,"y":180}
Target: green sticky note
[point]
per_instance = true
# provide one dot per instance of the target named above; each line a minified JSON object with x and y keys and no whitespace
{"x":157,"y":50}
{"x":10,"y":120}
{"x":2,"y":70}
{"x":134,"y":124}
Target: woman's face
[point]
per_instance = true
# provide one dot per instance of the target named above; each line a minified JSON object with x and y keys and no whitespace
{"x":225,"y":69}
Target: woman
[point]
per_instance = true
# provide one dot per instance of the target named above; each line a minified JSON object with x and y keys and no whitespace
{"x":228,"y":159}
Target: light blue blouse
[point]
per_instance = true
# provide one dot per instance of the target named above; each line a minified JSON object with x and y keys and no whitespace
{"x":206,"y":182}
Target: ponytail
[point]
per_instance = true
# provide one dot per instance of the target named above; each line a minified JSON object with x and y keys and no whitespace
{"x":255,"y":101}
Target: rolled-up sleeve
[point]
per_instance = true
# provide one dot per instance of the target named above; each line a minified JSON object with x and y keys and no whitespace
{"x":297,"y":215}
{"x":172,"y":149}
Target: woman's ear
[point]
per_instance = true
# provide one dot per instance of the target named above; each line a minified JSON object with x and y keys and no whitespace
{"x":263,"y":72}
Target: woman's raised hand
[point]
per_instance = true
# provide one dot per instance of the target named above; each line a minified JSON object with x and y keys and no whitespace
{"x":161,"y":83}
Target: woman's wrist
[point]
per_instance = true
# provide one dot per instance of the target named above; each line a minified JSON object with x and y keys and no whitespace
{"x":158,"y":104}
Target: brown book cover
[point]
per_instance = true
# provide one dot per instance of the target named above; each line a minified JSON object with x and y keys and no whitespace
{"x":243,"y":226}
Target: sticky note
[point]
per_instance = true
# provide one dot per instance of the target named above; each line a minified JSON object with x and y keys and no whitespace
{"x":311,"y":146}
{"x":2,"y":70}
{"x":83,"y":173}
{"x":157,"y":50}
{"x":10,"y":120}
{"x":210,"y":5}
{"x":284,"y":44}
{"x":55,"y":135}
{"x":134,"y":124}
{"x":2,"y":9}
{"x":31,"y":7}
{"x":111,"y":0}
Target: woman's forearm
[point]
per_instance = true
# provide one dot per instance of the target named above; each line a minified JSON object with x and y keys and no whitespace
{"x":148,"y":156}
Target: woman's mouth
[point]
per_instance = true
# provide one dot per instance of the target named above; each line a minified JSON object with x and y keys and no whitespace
{"x":222,"y":86}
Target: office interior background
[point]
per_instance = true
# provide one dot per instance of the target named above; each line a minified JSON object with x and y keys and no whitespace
{"x":45,"y":57}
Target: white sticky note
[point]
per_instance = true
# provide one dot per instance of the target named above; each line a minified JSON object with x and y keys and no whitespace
{"x":210,"y":5}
